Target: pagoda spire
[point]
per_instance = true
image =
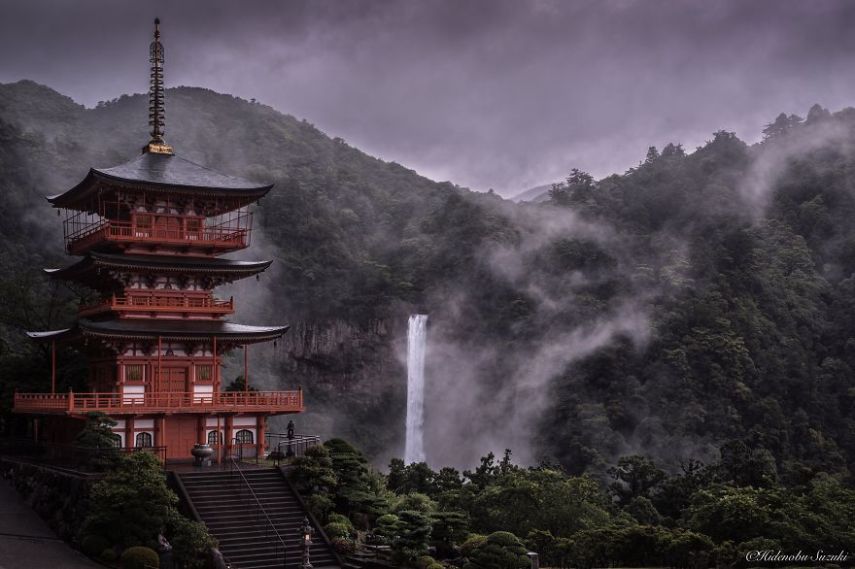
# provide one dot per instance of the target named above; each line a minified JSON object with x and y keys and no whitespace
{"x":156,"y":113}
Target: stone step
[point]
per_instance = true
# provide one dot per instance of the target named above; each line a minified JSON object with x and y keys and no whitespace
{"x":247,"y":540}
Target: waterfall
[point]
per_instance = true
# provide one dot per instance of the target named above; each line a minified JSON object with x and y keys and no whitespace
{"x":414,"y":450}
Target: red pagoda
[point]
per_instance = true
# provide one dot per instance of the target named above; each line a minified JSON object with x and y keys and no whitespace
{"x":150,"y":233}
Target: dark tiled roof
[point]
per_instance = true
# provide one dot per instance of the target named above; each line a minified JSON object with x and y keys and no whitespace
{"x":163,"y":172}
{"x":167,"y":329}
{"x":161,"y":263}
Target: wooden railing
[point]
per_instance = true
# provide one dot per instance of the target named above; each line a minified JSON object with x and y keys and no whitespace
{"x":131,"y":403}
{"x":229,"y":238}
{"x":161,"y":303}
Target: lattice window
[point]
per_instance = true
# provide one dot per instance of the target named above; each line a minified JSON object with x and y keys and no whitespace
{"x":134,"y":372}
{"x":204,"y":372}
{"x":244,"y":436}
{"x":213,"y":438}
{"x":144,"y":440}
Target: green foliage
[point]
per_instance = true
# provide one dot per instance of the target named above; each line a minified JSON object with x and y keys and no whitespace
{"x":99,"y":442}
{"x":238,"y":384}
{"x":336,"y":529}
{"x":139,"y":557}
{"x":320,"y":505}
{"x":552,"y":551}
{"x":449,"y":528}
{"x":132,"y":503}
{"x":643,"y":511}
{"x":416,"y":477}
{"x":639,"y":546}
{"x":414,"y":501}
{"x":474,"y":540}
{"x":340,"y":519}
{"x":424,"y":562}
{"x":312,"y":473}
{"x":500,"y":550}
{"x":413,"y":531}
{"x":635,"y":476}
{"x":386,"y":527}
{"x":354,"y":490}
{"x":191,"y":542}
{"x":539,"y":498}
{"x":108,"y":555}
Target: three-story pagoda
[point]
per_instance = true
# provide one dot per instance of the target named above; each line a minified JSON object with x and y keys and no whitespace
{"x":150,"y":233}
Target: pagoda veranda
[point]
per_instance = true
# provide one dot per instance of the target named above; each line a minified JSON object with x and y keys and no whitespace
{"x":149,"y":235}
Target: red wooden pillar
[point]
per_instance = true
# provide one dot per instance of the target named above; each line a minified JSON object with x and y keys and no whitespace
{"x":160,"y":439}
{"x":219,"y":441}
{"x":130,"y":435}
{"x":246,"y":368}
{"x":200,"y":429}
{"x":228,"y":435}
{"x":159,"y":384}
{"x":215,"y":372}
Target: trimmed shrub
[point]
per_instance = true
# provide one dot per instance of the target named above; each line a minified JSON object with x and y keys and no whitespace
{"x":425,"y":561}
{"x":92,"y":545}
{"x":320,"y":505}
{"x":139,"y":557}
{"x":108,"y":555}
{"x":473,"y":541}
{"x":435,"y":566}
{"x":339,"y":519}
{"x":501,"y":550}
{"x":385,"y":529}
{"x":336,"y":530}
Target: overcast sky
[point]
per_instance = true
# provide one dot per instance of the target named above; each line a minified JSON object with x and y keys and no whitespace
{"x":502,"y":94}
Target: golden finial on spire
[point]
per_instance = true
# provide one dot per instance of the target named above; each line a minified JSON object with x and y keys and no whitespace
{"x":156,"y":113}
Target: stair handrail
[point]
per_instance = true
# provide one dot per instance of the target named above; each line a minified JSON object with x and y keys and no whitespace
{"x":186,"y":495}
{"x":263,"y":511}
{"x":312,"y":519}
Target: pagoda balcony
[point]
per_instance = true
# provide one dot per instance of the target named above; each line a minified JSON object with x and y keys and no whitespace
{"x":126,"y":234}
{"x":149,"y":303}
{"x":273,"y":402}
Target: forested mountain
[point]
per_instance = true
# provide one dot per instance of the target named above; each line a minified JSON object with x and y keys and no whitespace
{"x":697,"y":299}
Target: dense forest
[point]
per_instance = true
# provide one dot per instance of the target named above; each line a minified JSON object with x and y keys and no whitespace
{"x":698,"y":300}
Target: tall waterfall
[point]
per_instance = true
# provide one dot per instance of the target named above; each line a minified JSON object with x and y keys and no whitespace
{"x":414,"y":450}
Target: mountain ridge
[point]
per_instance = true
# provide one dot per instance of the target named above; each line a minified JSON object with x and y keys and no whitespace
{"x":694,"y":300}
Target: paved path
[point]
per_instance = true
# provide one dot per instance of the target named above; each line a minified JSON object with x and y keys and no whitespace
{"x":26,"y":542}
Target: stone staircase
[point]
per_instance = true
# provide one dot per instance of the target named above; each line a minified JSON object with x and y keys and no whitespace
{"x":224,"y":503}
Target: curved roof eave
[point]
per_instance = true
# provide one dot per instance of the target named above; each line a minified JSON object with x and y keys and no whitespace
{"x":181,"y":330}
{"x":157,"y":263}
{"x":51,"y":334}
{"x":162,"y":172}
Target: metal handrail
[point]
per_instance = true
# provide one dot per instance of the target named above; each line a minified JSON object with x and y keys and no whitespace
{"x":236,"y":465}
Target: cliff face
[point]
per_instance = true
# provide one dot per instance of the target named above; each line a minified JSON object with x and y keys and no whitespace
{"x":354,"y":381}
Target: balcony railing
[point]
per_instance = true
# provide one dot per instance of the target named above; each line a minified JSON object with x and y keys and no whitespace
{"x":164,"y":402}
{"x":161,"y":303}
{"x":223,"y":238}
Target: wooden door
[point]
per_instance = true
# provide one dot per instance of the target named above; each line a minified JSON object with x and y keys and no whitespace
{"x":181,"y":435}
{"x":173,"y":379}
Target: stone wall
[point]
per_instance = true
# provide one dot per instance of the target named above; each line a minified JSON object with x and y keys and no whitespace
{"x":59,"y":497}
